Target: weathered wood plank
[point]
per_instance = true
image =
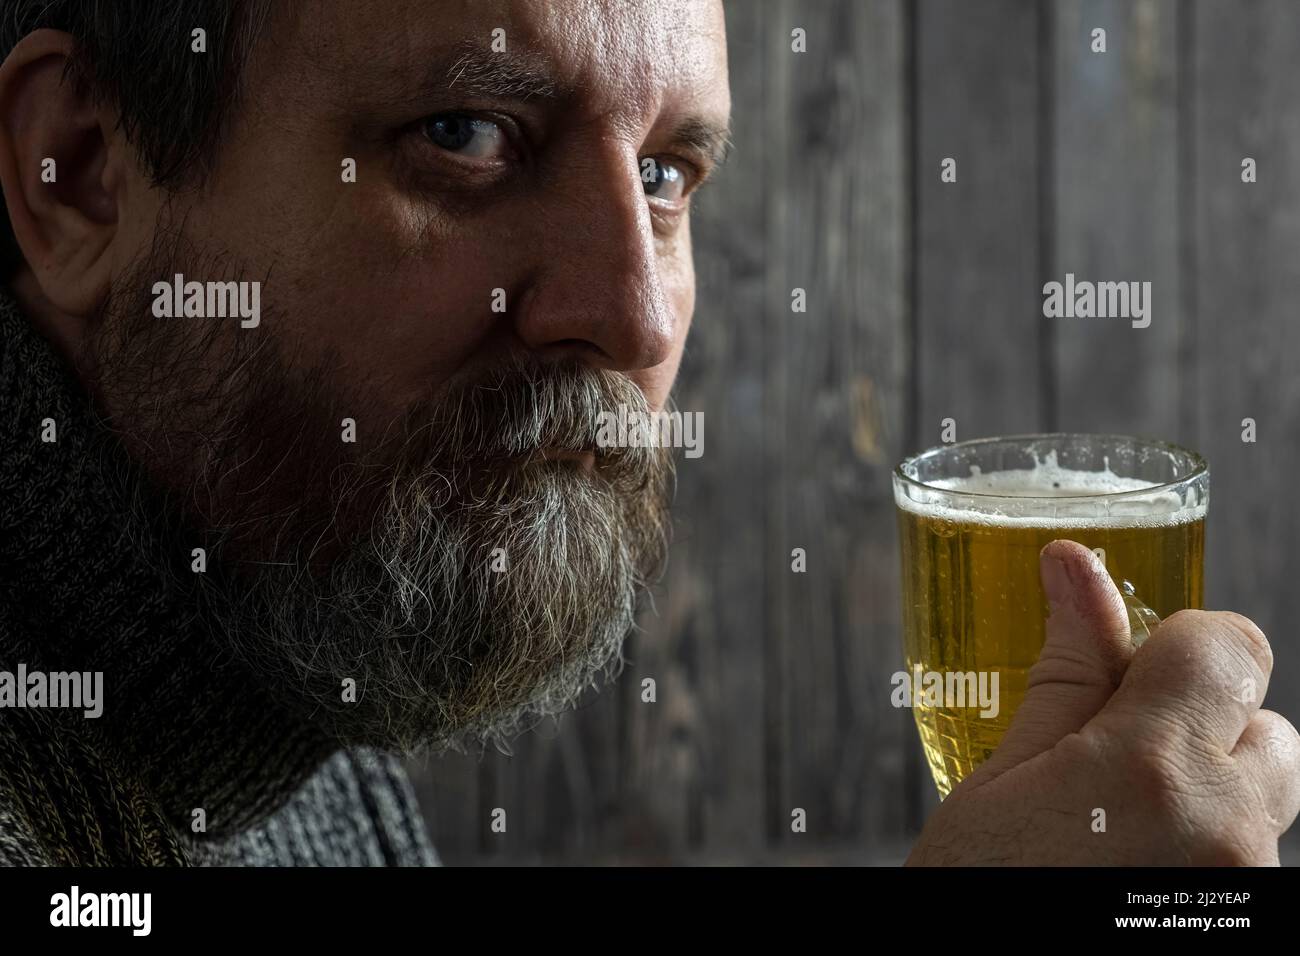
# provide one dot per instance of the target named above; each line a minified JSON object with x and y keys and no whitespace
{"x":979,"y":308}
{"x":1116,"y":188}
{"x":835,"y":393}
{"x":1247,"y":287}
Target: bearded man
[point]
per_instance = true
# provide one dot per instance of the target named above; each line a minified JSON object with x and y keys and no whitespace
{"x":358,"y":507}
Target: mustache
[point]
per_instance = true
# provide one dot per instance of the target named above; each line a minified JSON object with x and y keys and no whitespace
{"x":521,"y":408}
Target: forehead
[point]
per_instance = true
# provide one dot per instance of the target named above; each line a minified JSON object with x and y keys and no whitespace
{"x":611,"y":52}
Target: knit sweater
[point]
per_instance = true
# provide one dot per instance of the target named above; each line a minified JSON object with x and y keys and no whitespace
{"x":192,"y":761}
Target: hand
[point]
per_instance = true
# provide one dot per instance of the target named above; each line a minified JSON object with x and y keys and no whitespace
{"x":1168,"y":742}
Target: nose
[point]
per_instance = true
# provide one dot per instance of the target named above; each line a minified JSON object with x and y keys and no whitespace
{"x":597,"y":292}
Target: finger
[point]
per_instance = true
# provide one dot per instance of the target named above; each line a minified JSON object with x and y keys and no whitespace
{"x":1201,"y":675}
{"x":1083,"y":660}
{"x":1269,"y":751}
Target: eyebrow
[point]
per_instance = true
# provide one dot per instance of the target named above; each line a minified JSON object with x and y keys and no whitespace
{"x":502,"y":76}
{"x":521,"y":76}
{"x":706,"y":137}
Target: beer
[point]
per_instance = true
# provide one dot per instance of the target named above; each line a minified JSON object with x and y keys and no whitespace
{"x":972,"y":596}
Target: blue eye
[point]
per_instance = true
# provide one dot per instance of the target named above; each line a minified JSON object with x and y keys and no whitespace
{"x":466,"y":135}
{"x":662,"y":180}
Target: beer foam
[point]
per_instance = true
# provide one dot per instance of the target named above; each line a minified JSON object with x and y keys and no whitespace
{"x":1048,"y":480}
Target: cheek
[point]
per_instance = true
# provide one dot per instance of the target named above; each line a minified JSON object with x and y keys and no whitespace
{"x":400,"y":307}
{"x":354,"y":279}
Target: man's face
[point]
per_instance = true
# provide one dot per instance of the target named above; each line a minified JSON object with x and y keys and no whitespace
{"x":477,"y":170}
{"x":513,"y":257}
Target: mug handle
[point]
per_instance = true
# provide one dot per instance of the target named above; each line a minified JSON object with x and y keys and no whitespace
{"x":1141,"y":619}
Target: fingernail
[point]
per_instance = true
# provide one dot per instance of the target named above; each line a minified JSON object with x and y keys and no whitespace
{"x":1056,"y":581}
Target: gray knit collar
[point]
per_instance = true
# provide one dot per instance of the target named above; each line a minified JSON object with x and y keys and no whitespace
{"x":82,"y":589}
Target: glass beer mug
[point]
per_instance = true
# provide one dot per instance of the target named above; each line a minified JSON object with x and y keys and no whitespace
{"x":972,"y":518}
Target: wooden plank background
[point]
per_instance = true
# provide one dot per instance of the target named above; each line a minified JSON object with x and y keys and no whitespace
{"x":924,"y":303}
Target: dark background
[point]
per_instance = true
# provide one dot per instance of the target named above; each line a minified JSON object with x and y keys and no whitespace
{"x":924,"y":302}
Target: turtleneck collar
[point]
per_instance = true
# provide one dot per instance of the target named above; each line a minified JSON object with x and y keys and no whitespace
{"x":87,"y":585}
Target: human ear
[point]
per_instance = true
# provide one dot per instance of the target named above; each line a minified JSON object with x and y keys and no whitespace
{"x":58,"y":173}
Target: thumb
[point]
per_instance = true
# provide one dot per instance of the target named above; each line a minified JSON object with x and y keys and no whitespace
{"x":1083,"y":660}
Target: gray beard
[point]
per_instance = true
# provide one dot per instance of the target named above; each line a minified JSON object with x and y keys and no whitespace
{"x":443,"y":586}
{"x":458,"y":618}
